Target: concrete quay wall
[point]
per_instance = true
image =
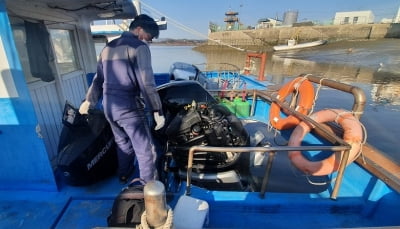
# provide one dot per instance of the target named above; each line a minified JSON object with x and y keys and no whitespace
{"x":272,"y":36}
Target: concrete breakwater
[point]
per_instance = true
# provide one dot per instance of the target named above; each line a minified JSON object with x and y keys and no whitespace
{"x":264,"y":39}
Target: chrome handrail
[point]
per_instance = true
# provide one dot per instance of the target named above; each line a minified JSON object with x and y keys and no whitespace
{"x":215,"y":149}
{"x":358,"y":94}
{"x":320,"y":129}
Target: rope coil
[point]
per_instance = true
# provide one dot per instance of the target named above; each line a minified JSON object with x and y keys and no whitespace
{"x":167,"y":225}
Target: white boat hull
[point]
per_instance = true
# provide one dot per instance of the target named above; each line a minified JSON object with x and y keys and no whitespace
{"x":298,"y":46}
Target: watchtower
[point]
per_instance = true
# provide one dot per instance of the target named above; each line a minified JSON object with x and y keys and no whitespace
{"x":231,"y":20}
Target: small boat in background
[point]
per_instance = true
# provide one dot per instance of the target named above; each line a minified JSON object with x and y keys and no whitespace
{"x":292,"y":44}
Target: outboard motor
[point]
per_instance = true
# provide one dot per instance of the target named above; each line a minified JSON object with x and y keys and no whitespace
{"x":193,"y":117}
{"x":207,"y":125}
{"x":86,"y":150}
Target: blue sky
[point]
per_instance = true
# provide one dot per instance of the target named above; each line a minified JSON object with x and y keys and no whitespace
{"x":196,"y":15}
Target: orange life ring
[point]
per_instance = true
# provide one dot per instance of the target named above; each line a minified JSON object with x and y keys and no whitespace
{"x":353,"y":135}
{"x":306,"y":98}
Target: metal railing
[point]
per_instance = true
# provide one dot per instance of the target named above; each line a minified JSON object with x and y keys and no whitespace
{"x":338,"y":143}
{"x":272,"y":151}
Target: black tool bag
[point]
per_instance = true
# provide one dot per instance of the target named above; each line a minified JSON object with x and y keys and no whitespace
{"x":86,"y":149}
{"x":128,"y":207}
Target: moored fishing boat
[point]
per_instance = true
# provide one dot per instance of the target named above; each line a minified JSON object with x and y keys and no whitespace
{"x":224,"y":147}
{"x":292,"y":44}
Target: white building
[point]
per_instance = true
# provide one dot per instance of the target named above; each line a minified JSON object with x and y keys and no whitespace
{"x":354,"y":17}
{"x":264,"y":23}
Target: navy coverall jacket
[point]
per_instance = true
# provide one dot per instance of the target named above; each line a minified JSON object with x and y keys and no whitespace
{"x":125,"y":79}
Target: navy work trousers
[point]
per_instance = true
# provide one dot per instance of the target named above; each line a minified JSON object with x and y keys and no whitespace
{"x":133,"y":137}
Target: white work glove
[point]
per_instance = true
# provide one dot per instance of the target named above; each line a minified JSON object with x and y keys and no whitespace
{"x":160,"y":121}
{"x":84,"y":108}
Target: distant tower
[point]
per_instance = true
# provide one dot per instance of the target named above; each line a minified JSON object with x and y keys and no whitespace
{"x":290,"y":17}
{"x":231,"y":20}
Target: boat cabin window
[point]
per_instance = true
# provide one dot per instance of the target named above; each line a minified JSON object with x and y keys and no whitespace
{"x":65,"y":51}
{"x":20,"y":42}
{"x":99,"y":42}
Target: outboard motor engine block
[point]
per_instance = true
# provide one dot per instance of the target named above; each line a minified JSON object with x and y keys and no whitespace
{"x":201,"y":124}
{"x":194,"y":117}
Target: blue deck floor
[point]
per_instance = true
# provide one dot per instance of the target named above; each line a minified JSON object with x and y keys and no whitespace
{"x":71,"y":207}
{"x":88,"y":207}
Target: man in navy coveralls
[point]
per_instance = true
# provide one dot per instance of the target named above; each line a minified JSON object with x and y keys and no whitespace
{"x":125,"y":79}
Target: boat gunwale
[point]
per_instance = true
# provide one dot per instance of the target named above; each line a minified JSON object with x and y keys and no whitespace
{"x":380,"y":166}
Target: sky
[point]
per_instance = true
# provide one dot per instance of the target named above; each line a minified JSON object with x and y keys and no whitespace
{"x":188,"y":19}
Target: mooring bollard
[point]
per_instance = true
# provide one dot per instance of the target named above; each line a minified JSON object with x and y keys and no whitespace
{"x":155,"y":203}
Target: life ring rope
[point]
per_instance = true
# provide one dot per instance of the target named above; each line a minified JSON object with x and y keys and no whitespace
{"x":364,"y":130}
{"x":316,"y":93}
{"x":340,"y":115}
{"x":308,"y":177}
{"x":297,"y":89}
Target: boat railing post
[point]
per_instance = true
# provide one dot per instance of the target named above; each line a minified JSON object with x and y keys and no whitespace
{"x":271,"y":156}
{"x":263,"y":57}
{"x":340,"y":174}
{"x":247,"y":65}
{"x":189,"y":170}
{"x":253,"y":103}
{"x":263,"y":62}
